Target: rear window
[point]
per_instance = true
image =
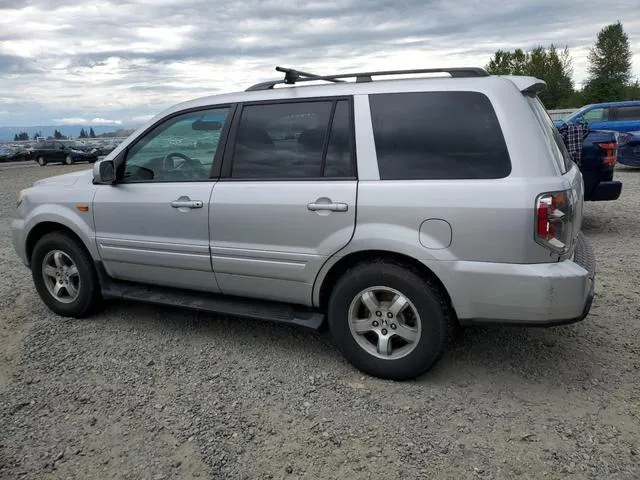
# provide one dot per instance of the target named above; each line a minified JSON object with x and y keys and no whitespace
{"x":438,"y":135}
{"x":554,"y":140}
{"x":628,"y":113}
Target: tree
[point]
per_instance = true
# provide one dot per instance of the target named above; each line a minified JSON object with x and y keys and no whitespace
{"x":632,"y":92}
{"x":609,"y":66}
{"x":15,"y":137}
{"x":83,"y":134}
{"x":548,"y":64}
{"x":58,"y":135}
{"x":92,"y":134}
{"x":36,"y":135}
{"x":21,"y":137}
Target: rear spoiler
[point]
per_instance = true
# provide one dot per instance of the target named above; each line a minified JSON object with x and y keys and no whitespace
{"x":527,"y":84}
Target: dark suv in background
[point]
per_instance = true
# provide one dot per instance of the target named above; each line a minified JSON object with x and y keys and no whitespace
{"x":56,"y":151}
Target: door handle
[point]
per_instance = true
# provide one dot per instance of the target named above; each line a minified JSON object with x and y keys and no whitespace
{"x":330,"y":207}
{"x":187,"y":204}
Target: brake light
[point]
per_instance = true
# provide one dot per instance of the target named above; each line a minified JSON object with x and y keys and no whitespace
{"x":554,"y":221}
{"x":610,"y":152}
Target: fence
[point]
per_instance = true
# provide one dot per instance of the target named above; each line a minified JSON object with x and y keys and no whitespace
{"x":560,"y":114}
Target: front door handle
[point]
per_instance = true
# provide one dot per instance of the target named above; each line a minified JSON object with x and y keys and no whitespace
{"x":328,"y":207}
{"x":183,"y":202}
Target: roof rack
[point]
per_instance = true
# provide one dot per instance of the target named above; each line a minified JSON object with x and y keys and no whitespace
{"x":293,"y":76}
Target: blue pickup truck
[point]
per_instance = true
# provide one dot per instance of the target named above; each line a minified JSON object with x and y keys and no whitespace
{"x":607,"y":142}
{"x":623,"y":117}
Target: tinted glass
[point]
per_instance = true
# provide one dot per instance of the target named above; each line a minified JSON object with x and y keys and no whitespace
{"x":628,"y":113}
{"x":281,"y":140}
{"x":338,"y":162}
{"x":437,"y":135}
{"x":182,"y":148}
{"x":596,"y":115}
{"x":555,"y":142}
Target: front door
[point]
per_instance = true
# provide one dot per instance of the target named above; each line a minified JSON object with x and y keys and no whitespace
{"x":152,"y":226}
{"x":287,"y":199}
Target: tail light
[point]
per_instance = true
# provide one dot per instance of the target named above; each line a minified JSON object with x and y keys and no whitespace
{"x":610,"y":152}
{"x":554,"y":221}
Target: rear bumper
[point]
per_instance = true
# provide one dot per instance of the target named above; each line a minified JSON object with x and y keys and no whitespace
{"x":527,"y":295}
{"x":606,"y":191}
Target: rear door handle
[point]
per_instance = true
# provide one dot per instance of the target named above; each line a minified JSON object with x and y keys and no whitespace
{"x":330,"y":207}
{"x":180,"y":203}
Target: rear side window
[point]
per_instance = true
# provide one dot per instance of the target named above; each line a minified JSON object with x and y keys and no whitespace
{"x":554,"y":140}
{"x":628,"y":113}
{"x":438,"y":135}
{"x":294,"y":140}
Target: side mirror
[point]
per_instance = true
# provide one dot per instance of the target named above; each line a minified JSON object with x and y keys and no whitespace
{"x":104,"y":173}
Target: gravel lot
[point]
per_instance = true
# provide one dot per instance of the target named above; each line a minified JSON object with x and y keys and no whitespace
{"x":146,"y":392}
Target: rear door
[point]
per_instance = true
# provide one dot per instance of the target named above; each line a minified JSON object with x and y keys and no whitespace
{"x":286,"y":201}
{"x":625,"y":119}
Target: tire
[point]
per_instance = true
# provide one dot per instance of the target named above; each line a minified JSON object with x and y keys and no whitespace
{"x":41,"y":161}
{"x":63,"y":247}
{"x":426,"y":318}
{"x":68,"y":160}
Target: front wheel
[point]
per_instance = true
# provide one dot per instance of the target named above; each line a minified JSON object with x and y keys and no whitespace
{"x":68,"y":160}
{"x":388,"y":321}
{"x":64,"y":275}
{"x":41,"y":161}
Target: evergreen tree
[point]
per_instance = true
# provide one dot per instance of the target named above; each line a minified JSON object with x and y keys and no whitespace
{"x":609,"y":66}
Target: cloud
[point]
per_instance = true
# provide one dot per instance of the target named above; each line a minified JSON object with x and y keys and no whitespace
{"x":84,"y":121}
{"x":109,"y":59}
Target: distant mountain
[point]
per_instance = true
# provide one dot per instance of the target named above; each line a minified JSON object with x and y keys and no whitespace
{"x":7,"y":133}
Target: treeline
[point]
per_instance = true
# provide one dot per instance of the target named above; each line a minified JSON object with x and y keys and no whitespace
{"x":57,"y":135}
{"x":610,"y":73}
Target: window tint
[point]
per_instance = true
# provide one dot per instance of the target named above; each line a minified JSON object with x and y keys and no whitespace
{"x":437,"y":135}
{"x":555,"y":142}
{"x":338,"y":162}
{"x":281,"y":140}
{"x":596,"y":115}
{"x":182,"y":148}
{"x":628,"y":113}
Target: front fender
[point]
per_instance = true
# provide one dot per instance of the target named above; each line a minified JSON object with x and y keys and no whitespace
{"x":80,"y":223}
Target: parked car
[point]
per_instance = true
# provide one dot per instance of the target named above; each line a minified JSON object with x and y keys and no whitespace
{"x":357,"y":202}
{"x":599,"y":158}
{"x":629,"y":151}
{"x":13,"y":154}
{"x":616,"y":116}
{"x":55,"y":151}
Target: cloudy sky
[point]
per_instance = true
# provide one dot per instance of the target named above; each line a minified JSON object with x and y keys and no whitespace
{"x":100,"y":62}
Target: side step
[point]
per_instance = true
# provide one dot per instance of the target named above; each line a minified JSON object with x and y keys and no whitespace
{"x":210,"y":302}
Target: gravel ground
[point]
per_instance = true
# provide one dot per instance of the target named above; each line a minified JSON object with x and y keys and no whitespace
{"x":153,"y":393}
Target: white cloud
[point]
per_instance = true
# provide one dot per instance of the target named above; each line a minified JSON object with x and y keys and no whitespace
{"x":88,"y":62}
{"x":84,"y":121}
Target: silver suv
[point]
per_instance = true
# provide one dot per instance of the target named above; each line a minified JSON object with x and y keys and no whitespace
{"x":396,"y":209}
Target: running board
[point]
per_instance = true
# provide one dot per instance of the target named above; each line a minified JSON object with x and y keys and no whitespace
{"x":210,"y":302}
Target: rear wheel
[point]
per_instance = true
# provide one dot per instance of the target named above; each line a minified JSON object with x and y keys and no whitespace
{"x":68,"y":160}
{"x":64,"y":275}
{"x":388,"y":321}
{"x":41,"y":161}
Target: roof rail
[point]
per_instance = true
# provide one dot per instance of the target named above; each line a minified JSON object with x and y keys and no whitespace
{"x":293,"y":76}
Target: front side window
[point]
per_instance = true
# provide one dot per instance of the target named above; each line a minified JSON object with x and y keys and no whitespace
{"x":293,"y":140}
{"x":182,"y":148}
{"x":596,"y":115}
{"x":437,"y":135}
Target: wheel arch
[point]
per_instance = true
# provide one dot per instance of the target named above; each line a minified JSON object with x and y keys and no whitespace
{"x":43,"y":228}
{"x":326,"y":283}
